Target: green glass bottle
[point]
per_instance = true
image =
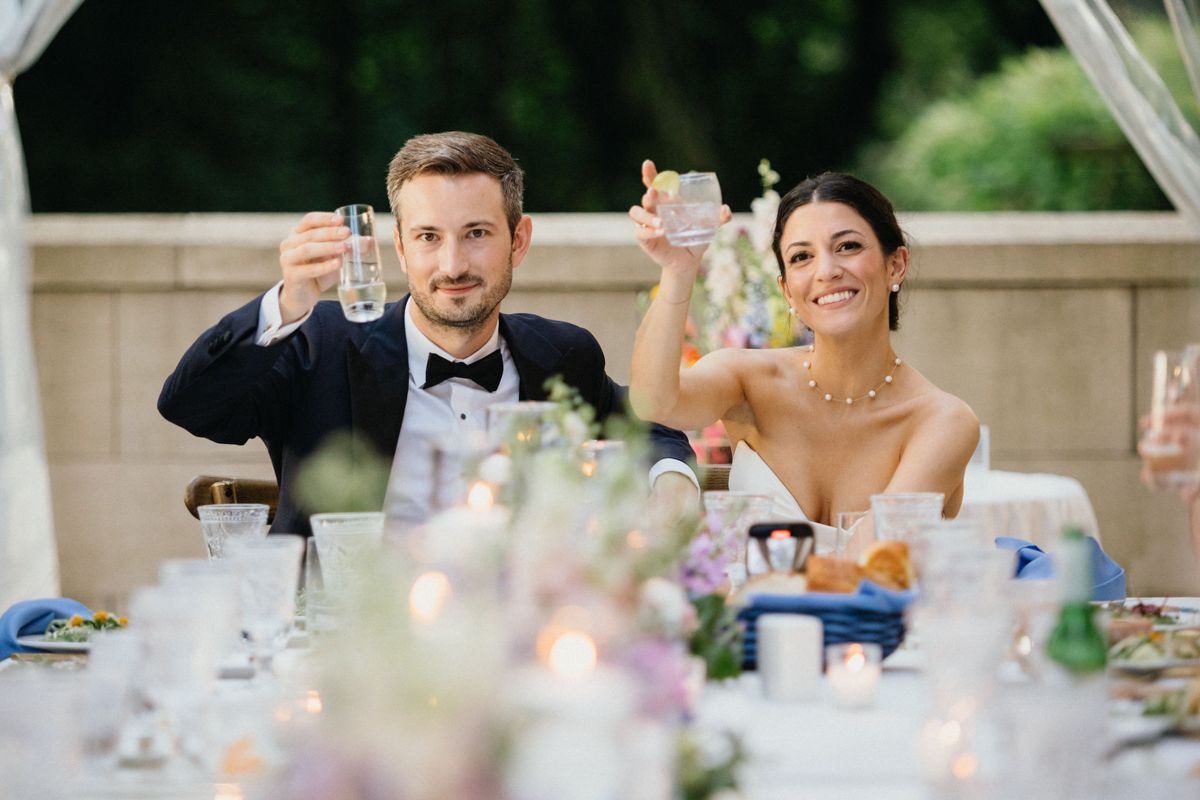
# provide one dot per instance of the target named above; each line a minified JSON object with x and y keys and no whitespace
{"x":1076,"y":644}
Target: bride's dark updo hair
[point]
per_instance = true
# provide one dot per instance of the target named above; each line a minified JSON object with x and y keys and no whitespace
{"x":837,"y":187}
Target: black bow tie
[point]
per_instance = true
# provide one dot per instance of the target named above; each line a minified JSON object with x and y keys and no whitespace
{"x":486,"y":371}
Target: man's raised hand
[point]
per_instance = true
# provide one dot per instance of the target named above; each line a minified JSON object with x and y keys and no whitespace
{"x":310,"y":258}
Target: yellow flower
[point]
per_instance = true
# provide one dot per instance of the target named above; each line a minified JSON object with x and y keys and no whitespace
{"x":123,"y":621}
{"x":100,"y":616}
{"x":75,"y":621}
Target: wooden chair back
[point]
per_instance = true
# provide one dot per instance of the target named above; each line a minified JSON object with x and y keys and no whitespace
{"x":207,"y":490}
{"x":714,"y":477}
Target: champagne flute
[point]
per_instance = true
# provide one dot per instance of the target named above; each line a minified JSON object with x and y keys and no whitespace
{"x":361,"y":289}
{"x":1171,"y":462}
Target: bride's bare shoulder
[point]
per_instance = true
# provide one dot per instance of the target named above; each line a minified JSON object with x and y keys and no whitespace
{"x":948,"y":414}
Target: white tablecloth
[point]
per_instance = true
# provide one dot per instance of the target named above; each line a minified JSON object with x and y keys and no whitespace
{"x":814,"y":751}
{"x":1029,"y":506}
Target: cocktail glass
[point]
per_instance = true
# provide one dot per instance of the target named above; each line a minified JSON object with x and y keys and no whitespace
{"x":228,"y":522}
{"x":691,"y":218}
{"x":343,"y":541}
{"x":361,"y":289}
{"x":895,"y":513}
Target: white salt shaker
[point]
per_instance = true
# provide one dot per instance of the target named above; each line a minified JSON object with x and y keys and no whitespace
{"x":789,"y":655}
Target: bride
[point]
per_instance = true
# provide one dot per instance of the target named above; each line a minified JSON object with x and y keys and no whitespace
{"x":821,"y":427}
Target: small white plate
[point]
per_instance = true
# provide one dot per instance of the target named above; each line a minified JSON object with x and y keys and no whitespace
{"x":54,"y":646}
{"x":1151,"y":666}
{"x":1185,"y":617}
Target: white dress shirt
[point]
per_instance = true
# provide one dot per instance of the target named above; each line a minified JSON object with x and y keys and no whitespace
{"x":456,"y":405}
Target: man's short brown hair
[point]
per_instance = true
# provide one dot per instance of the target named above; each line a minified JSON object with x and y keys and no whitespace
{"x":457,"y":153}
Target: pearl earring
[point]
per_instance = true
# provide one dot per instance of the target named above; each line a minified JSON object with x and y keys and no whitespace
{"x":895,"y":287}
{"x":791,"y":311}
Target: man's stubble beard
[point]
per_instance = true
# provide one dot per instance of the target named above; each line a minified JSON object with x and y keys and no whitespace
{"x":470,"y":319}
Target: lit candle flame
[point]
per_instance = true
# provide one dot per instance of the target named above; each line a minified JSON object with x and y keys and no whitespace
{"x":589,"y":468}
{"x":227,"y":791}
{"x":428,"y":596}
{"x":480,"y":496}
{"x":313,"y":703}
{"x":856,"y":659}
{"x":964,"y":766}
{"x":573,"y":654}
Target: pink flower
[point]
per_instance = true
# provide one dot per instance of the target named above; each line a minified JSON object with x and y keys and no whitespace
{"x":662,"y":670}
{"x":736,"y":337}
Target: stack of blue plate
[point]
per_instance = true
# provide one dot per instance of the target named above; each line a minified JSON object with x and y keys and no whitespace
{"x":872,"y":614}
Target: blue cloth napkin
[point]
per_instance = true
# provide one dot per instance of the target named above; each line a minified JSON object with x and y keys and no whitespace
{"x":1034,"y":563}
{"x":870,"y":597}
{"x":31,"y":617}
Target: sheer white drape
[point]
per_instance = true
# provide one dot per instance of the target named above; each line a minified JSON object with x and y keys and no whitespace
{"x":28,"y":554}
{"x":1134,"y":93}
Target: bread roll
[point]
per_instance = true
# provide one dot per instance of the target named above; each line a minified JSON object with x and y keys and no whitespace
{"x":887,"y":563}
{"x":832,"y":575}
{"x":776,"y":582}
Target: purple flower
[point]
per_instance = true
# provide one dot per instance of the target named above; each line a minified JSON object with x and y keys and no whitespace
{"x":704,"y":565}
{"x":662,"y":670}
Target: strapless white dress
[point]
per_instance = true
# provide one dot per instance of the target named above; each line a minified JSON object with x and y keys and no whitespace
{"x":749,"y":473}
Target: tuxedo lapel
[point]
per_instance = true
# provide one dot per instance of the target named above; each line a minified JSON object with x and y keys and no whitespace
{"x":537,"y":359}
{"x":378,"y":373}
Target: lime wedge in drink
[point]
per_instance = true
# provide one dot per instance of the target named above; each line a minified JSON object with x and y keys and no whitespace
{"x":667,"y":181}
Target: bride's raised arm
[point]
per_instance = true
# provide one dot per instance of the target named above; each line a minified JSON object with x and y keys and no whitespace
{"x":659,"y":390}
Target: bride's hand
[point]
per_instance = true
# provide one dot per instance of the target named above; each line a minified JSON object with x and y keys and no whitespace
{"x":683,"y":262}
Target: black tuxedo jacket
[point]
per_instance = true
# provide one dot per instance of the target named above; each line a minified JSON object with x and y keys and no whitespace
{"x":333,"y":374}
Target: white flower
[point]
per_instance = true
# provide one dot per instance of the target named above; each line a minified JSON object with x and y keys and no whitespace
{"x":764,"y":209}
{"x":713,"y":747}
{"x":496,"y":468}
{"x":666,"y":603}
{"x":574,"y":428}
{"x":724,"y":275}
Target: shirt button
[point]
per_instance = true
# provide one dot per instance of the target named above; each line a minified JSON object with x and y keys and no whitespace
{"x":462,"y":416}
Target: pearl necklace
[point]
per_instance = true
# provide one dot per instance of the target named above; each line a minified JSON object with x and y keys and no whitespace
{"x":850,"y":400}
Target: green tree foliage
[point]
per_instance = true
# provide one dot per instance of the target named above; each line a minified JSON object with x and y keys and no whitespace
{"x":251,"y":105}
{"x":1034,"y":136}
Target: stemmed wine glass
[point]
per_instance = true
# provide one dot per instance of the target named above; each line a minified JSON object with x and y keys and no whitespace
{"x":269,"y":572}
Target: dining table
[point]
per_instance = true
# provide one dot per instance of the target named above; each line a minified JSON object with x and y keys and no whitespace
{"x":815,"y":750}
{"x":797,"y":750}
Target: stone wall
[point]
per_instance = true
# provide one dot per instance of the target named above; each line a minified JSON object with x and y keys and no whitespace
{"x":1043,"y":323}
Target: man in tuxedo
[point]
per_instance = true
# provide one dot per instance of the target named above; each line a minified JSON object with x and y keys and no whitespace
{"x":291,"y":370}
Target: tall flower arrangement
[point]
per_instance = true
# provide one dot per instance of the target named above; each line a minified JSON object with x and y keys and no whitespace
{"x":738,"y":302}
{"x":542,"y":653}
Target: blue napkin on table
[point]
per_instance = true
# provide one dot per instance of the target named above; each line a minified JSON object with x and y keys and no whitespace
{"x":870,"y":597}
{"x":31,"y":617}
{"x":1034,"y":563}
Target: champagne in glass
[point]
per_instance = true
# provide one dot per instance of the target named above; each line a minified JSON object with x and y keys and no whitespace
{"x":1173,"y":462}
{"x":361,"y":289}
{"x":690,"y":208}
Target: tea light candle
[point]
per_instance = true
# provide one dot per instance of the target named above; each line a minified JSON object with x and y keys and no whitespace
{"x":853,"y":670}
